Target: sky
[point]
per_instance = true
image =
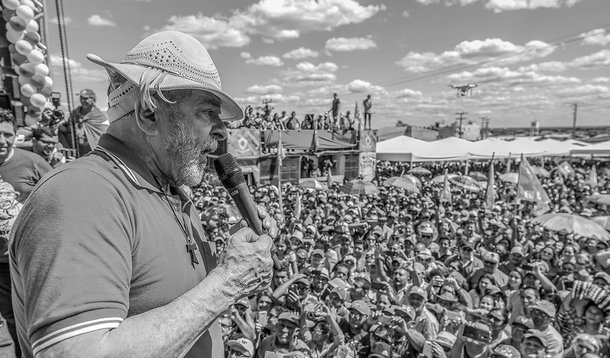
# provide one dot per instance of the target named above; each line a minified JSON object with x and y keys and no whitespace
{"x":531,"y":60}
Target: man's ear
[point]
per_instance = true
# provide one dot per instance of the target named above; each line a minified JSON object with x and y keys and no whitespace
{"x":147,"y":122}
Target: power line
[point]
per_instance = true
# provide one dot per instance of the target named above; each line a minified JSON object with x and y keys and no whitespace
{"x":557,"y":42}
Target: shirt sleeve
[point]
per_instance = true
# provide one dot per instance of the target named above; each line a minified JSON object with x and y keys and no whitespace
{"x":71,"y":257}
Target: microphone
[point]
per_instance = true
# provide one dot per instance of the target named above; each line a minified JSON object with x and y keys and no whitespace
{"x":233,"y":180}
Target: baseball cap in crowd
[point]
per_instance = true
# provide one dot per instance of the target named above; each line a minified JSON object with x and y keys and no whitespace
{"x":545,"y":306}
{"x":536,"y":334}
{"x":492,"y":257}
{"x":416,"y":290}
{"x":243,"y":346}
{"x":318,"y":252}
{"x":169,"y":60}
{"x":289,"y":317}
{"x":87,"y":93}
{"x":424,"y":254}
{"x":523,"y":322}
{"x":362,"y":276}
{"x":445,"y":339}
{"x":302,"y":280}
{"x":321,"y":272}
{"x":339,"y":291}
{"x":602,"y":276}
{"x":361,"y":307}
{"x":505,"y":351}
{"x":302,"y":253}
{"x":406,"y":312}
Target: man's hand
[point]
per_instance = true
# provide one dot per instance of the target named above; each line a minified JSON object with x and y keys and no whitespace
{"x":269,"y":224}
{"x":246,"y":263}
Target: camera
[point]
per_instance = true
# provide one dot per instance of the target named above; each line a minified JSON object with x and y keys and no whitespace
{"x":57,"y":115}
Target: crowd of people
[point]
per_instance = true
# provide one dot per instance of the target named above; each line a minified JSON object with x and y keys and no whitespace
{"x":333,"y":119}
{"x":397,"y":274}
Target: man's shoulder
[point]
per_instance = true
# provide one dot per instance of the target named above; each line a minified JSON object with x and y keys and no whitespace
{"x":22,"y":155}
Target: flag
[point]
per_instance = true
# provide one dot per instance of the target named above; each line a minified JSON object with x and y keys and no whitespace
{"x":281,"y":152}
{"x":593,"y":178}
{"x":314,"y":141}
{"x":297,"y":206}
{"x":357,"y":116}
{"x":508,"y":165}
{"x":446,"y":192}
{"x":530,"y":189}
{"x":565,"y":169}
{"x":490,"y":192}
{"x":329,"y":179}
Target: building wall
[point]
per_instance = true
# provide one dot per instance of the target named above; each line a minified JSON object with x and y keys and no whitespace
{"x":422,"y":133}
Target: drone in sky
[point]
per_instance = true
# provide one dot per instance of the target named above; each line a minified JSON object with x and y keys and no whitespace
{"x":464,"y":90}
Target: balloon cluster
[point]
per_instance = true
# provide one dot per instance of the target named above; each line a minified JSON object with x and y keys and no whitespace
{"x":27,"y":52}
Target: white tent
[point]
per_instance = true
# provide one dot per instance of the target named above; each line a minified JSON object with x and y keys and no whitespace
{"x":399,"y":149}
{"x":602,"y":148}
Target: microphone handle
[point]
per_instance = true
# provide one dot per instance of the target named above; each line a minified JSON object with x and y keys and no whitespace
{"x":246,"y":206}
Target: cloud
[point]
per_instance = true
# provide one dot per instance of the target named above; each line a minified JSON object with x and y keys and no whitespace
{"x":501,"y":77}
{"x":55,"y":20}
{"x":272,"y":20}
{"x":264,"y":90}
{"x":262,"y":60}
{"x":408,"y":93}
{"x":601,"y":80}
{"x":97,"y":20}
{"x":349,"y":44}
{"x":405,"y":14}
{"x":360,"y":86}
{"x":322,"y":67}
{"x":597,"y":60}
{"x":293,"y":100}
{"x":507,"y":5}
{"x":596,"y":37}
{"x":78,"y":71}
{"x":212,"y":32}
{"x":300,"y":53}
{"x":475,"y":52}
{"x":583,"y":91}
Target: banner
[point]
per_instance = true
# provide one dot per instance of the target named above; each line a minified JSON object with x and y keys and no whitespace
{"x":530,"y":189}
{"x":490,"y":192}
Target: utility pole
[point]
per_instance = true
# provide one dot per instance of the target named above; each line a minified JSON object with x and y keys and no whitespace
{"x":575,"y":111}
{"x":485,"y":126}
{"x":461,"y":119}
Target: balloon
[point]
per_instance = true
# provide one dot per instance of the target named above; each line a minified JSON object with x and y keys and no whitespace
{"x":22,"y":80}
{"x":27,"y":90}
{"x":19,"y":59}
{"x":10,"y":4}
{"x":17,"y":23}
{"x":13,"y":36}
{"x":46,"y":91}
{"x":27,"y":70}
{"x":32,"y":26}
{"x":35,"y":57}
{"x":29,"y":3}
{"x":38,"y":100}
{"x":33,"y":37}
{"x":38,"y":81}
{"x":48,"y":81}
{"x":25,"y":12}
{"x":23,"y":47}
{"x":41,"y":69}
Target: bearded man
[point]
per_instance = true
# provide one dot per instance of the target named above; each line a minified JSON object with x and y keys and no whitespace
{"x":108,"y":256}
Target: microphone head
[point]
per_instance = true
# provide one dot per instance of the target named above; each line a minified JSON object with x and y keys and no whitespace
{"x":228,"y":171}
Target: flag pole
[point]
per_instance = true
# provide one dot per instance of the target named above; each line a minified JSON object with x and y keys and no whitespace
{"x":278,"y":162}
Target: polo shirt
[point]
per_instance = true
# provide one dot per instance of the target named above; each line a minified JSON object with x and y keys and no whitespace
{"x":23,"y":170}
{"x":98,"y":242}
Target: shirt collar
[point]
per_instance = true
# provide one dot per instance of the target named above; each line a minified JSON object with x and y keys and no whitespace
{"x":129,"y":162}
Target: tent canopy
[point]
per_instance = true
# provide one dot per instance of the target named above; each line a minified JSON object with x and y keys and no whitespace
{"x":406,"y":149}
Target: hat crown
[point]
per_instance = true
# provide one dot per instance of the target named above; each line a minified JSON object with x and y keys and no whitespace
{"x":176,"y":53}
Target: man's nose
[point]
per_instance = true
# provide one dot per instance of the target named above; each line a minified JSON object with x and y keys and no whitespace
{"x":219,"y":130}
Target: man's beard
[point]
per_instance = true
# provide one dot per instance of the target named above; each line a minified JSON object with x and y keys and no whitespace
{"x":185,"y":151}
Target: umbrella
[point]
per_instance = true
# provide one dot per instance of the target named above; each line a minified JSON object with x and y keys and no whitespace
{"x":419,"y":171}
{"x":478,"y":176}
{"x":440,"y":179}
{"x":465,"y":182}
{"x":414,"y":179}
{"x":403,"y":183}
{"x":574,"y":224}
{"x":510,"y":177}
{"x":359,"y":186}
{"x":601,"y":199}
{"x":541,"y":172}
{"x":603,"y":221}
{"x":313,"y":184}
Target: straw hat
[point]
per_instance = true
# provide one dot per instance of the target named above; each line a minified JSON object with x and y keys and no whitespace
{"x":164,"y":61}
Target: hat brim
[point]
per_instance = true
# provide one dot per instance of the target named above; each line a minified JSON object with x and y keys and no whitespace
{"x":229,"y":108}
